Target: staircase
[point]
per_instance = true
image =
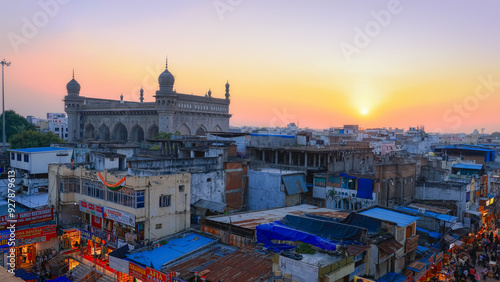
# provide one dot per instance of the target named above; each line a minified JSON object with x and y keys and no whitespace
{"x":105,"y":278}
{"x":80,"y":272}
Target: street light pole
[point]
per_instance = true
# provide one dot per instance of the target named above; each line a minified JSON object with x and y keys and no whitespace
{"x":4,"y":63}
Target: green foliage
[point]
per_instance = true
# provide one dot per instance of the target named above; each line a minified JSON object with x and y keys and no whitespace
{"x":304,"y":248}
{"x":163,"y":135}
{"x":31,"y":138}
{"x":15,"y":124}
{"x":155,"y":148}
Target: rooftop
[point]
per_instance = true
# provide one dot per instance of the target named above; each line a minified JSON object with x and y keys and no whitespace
{"x":39,"y":150}
{"x":468,"y":166}
{"x":400,"y":219}
{"x":245,"y":264}
{"x":250,"y":220}
{"x":174,"y":249}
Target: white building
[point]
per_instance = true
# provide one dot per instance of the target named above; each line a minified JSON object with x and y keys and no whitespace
{"x":58,"y":123}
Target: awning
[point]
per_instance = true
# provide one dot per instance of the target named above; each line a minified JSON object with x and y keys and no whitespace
{"x":210,"y":205}
{"x":354,"y":250}
{"x":390,"y":246}
{"x":432,"y":234}
{"x":392,"y":277}
{"x":477,"y":213}
{"x":451,"y":240}
{"x":417,"y":266}
{"x":294,"y":184}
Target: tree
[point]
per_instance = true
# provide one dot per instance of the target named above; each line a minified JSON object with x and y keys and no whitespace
{"x":15,"y":122}
{"x":31,"y":138}
{"x":163,"y":135}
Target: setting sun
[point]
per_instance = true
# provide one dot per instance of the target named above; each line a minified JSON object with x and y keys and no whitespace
{"x":364,"y":111}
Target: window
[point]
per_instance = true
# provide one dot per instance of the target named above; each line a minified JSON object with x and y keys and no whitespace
{"x":12,"y":156}
{"x":57,"y":129}
{"x":127,"y":197}
{"x":93,"y":189}
{"x":69,"y":185}
{"x":181,"y":187}
{"x":26,"y":158}
{"x":158,"y":226}
{"x":18,"y":157}
{"x":164,"y":201}
{"x":209,"y":179}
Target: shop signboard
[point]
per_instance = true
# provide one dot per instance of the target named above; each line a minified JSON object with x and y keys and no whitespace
{"x":439,"y":257}
{"x":118,"y":264}
{"x":137,"y":271}
{"x":177,"y":279}
{"x":26,"y":218}
{"x":35,"y":235}
{"x":90,"y":208}
{"x":157,"y":276}
{"x":4,"y":239}
{"x":89,"y":236}
{"x":97,"y":222}
{"x":119,"y":216}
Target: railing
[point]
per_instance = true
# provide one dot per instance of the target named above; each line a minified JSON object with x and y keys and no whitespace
{"x":93,"y":266}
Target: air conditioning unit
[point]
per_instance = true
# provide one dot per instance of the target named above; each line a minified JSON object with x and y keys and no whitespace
{"x":421,"y":210}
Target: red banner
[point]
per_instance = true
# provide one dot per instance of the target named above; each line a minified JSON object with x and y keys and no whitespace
{"x":25,"y":218}
{"x":97,"y":222}
{"x":137,"y":271}
{"x":156,"y":276}
{"x":48,"y":231}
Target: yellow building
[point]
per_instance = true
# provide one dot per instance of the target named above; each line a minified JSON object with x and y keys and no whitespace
{"x":144,"y":208}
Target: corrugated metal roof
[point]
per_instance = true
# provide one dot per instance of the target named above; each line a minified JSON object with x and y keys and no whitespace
{"x":245,"y":264}
{"x":468,"y":166}
{"x":387,"y":215}
{"x":39,"y":149}
{"x":390,"y":246}
{"x":417,"y":266}
{"x":210,"y":205}
{"x":175,"y":248}
{"x":251,"y":219}
{"x":294,"y":184}
{"x":443,"y":217}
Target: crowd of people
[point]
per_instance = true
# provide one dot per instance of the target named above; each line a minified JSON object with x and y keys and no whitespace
{"x":478,"y":258}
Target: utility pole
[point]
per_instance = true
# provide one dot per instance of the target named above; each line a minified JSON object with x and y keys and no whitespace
{"x":4,"y":63}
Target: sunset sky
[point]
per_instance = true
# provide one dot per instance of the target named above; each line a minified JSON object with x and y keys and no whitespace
{"x":317,"y":63}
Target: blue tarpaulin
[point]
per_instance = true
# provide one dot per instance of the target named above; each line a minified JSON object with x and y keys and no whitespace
{"x":392,"y":277}
{"x":372,"y":224}
{"x":365,"y":188}
{"x":278,"y":231}
{"x":327,"y":229}
{"x":348,"y":176}
{"x":432,"y":234}
{"x":60,"y":279}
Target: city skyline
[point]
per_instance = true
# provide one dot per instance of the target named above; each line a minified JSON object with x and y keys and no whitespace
{"x":384,"y":64}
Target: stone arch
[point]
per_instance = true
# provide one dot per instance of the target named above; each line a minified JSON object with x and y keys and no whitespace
{"x":201,"y":131}
{"x":89,"y":131}
{"x":104,"y":133}
{"x":120,"y":132}
{"x":184,"y":130}
{"x":137,"y":134}
{"x":217,"y":129}
{"x":152,"y":131}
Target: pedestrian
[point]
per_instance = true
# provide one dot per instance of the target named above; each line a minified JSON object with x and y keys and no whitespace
{"x":484,"y":272}
{"x":477,"y":277}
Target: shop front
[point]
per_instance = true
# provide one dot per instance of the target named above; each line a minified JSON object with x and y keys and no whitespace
{"x":95,"y":249}
{"x":32,"y":245}
{"x":70,"y":240}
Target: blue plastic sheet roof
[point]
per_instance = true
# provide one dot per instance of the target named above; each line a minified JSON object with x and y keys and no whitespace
{"x":392,"y":277}
{"x":175,"y":248}
{"x":422,"y":249}
{"x":468,"y":166}
{"x":294,"y":184}
{"x":39,"y":149}
{"x":440,"y":216}
{"x":387,"y":215}
{"x":432,"y":234}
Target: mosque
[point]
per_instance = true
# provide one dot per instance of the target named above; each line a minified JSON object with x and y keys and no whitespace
{"x":133,"y":122}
